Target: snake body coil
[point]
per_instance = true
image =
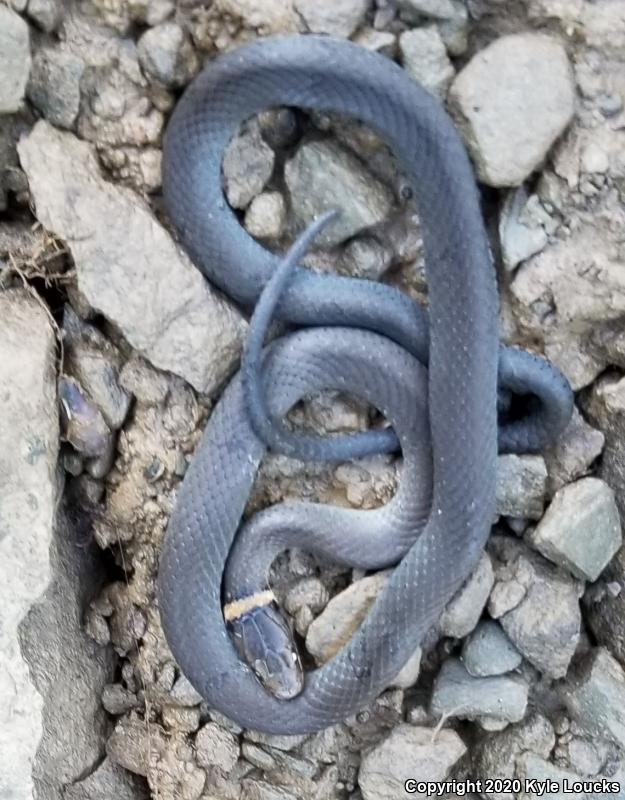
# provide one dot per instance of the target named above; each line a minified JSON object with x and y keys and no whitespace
{"x":440,"y":517}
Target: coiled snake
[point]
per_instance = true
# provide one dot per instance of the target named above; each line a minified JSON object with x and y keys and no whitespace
{"x":358,"y":336}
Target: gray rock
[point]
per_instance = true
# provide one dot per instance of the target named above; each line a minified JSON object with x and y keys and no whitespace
{"x":270,"y":16}
{"x":46,"y":13}
{"x":338,"y":17}
{"x":14,"y":60}
{"x":134,"y":744}
{"x":308,"y":592}
{"x":531,"y":767}
{"x":366,"y":257}
{"x":409,"y":673}
{"x":54,"y":85}
{"x":408,"y":752}
{"x":83,"y":424}
{"x":184,"y":693}
{"x":488,"y":651}
{"x":216,"y":747}
{"x":276,"y":741}
{"x":323,"y":175}
{"x":463,"y":612}
{"x":343,"y":616}
{"x":123,"y":266}
{"x":512,"y":101}
{"x":522,"y":235}
{"x":415,"y":10}
{"x":496,"y":755}
{"x":576,"y":449}
{"x":424,"y":57}
{"x":266,"y":215}
{"x":247,"y":166}
{"x":49,"y":671}
{"x":117,"y":700}
{"x":181,"y":718}
{"x":165,"y":53}
{"x":379,"y":41}
{"x":543,"y":621}
{"x":107,"y":781}
{"x":581,"y":529}
{"x":595,"y":696}
{"x":456,"y":693}
{"x":521,"y":486}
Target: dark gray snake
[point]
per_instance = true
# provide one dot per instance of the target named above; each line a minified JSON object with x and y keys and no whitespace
{"x":444,"y":416}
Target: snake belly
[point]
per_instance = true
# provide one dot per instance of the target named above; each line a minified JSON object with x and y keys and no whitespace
{"x":449,"y":533}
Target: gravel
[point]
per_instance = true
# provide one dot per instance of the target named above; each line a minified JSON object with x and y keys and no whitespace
{"x":54,"y":85}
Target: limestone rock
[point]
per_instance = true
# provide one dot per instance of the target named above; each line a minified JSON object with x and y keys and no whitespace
{"x":512,"y":101}
{"x":123,"y":265}
{"x":488,"y":651}
{"x":408,"y":752}
{"x":521,"y":485}
{"x":337,"y":18}
{"x":543,"y":621}
{"x":425,"y":58}
{"x":463,"y":612}
{"x":581,"y":529}
{"x":456,"y":693}
{"x":324,"y":175}
{"x":14,"y":59}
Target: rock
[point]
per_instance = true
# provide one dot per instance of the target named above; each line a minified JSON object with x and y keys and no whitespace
{"x":497,"y":755}
{"x":424,"y":57}
{"x":83,"y":424}
{"x":541,"y":614}
{"x":261,"y":790}
{"x":463,"y":612}
{"x":28,"y":453}
{"x":216,"y":747}
{"x":133,"y":744}
{"x":54,"y":85}
{"x":165,"y":53}
{"x":521,"y":233}
{"x":107,"y":781}
{"x":266,"y":215}
{"x":456,"y":693}
{"x":122,"y":267}
{"x":595,"y":696}
{"x":270,"y":16}
{"x":14,"y":60}
{"x":576,"y":449}
{"x":512,"y":101}
{"x":323,"y":175}
{"x":308,"y":592}
{"x":47,"y":663}
{"x":337,"y":18}
{"x":379,"y":41}
{"x":366,"y":257}
{"x":117,"y":700}
{"x":521,"y":486}
{"x":185,"y":694}
{"x":408,"y":752}
{"x":488,"y":651}
{"x":180,"y":718}
{"x":247,"y":166}
{"x":409,"y":673}
{"x":343,"y":615}
{"x":532,"y":768}
{"x":581,"y":529}
{"x":46,"y":13}
{"x":415,"y":10}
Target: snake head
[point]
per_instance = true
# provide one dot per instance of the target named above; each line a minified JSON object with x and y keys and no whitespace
{"x":264,"y":640}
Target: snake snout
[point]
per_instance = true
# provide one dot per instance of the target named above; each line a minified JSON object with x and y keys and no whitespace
{"x":264,"y":640}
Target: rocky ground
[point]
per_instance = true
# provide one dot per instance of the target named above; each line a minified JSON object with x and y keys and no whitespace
{"x":114,"y":350}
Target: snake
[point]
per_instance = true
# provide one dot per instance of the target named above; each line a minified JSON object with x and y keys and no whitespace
{"x":436,"y":374}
